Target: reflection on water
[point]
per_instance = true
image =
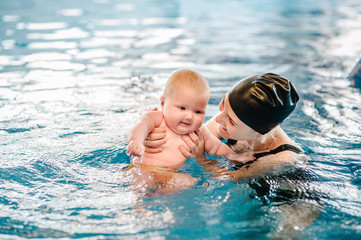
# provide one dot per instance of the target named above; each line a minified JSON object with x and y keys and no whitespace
{"x":76,"y":75}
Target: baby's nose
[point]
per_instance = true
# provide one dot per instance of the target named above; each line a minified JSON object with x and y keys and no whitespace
{"x":189,"y":116}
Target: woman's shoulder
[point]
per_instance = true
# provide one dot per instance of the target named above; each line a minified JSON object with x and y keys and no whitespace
{"x":287,"y":150}
{"x":283,"y":153}
{"x":284,"y":145}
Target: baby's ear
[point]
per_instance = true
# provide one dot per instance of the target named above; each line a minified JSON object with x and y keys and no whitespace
{"x":162,"y":99}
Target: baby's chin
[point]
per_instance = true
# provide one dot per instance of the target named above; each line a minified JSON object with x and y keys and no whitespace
{"x":183,"y":131}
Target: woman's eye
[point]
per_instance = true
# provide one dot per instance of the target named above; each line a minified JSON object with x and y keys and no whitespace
{"x":231,"y":121}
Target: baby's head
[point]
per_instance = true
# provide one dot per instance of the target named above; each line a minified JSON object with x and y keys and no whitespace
{"x":184,"y":101}
{"x":186,"y":77}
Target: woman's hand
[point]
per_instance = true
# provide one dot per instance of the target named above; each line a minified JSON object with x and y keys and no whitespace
{"x":155,"y":140}
{"x":195,"y":143}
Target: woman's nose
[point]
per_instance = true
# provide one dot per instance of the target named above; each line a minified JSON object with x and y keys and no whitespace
{"x":219,"y":117}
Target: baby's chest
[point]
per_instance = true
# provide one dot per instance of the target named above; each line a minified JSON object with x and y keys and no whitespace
{"x":174,"y":141}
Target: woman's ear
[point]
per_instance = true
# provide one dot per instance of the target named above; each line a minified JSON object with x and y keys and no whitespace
{"x":162,"y":99}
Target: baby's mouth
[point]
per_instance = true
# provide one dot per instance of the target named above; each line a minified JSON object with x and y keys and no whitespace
{"x":185,"y":123}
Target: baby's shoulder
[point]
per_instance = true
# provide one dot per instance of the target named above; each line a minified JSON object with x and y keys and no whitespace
{"x":155,"y":116}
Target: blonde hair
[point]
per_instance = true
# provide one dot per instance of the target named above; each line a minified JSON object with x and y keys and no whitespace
{"x":186,"y":77}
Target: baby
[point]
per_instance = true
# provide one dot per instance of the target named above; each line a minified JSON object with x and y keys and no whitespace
{"x":183,"y":103}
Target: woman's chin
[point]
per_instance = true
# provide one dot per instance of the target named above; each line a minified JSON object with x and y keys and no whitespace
{"x":222,"y":132}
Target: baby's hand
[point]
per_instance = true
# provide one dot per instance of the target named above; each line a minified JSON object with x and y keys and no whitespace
{"x":135,"y":149}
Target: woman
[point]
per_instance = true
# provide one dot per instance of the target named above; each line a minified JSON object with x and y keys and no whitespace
{"x":249,"y":118}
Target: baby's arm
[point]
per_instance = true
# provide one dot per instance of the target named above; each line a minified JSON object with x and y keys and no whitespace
{"x":141,"y":130}
{"x":214,"y":146}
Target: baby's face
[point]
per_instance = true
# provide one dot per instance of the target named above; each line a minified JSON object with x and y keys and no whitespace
{"x":184,"y":110}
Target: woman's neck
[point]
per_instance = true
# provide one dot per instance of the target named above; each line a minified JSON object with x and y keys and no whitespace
{"x":269,"y":140}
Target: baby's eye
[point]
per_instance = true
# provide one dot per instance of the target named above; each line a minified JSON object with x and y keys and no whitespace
{"x":182,"y":108}
{"x":198,"y":112}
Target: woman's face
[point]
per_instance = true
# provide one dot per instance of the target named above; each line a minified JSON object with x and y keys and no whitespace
{"x":230,"y":127}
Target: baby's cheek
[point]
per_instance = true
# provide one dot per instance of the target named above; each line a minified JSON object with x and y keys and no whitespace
{"x":199,"y":122}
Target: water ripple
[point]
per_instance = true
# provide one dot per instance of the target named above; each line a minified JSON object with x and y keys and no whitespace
{"x":75,"y":76}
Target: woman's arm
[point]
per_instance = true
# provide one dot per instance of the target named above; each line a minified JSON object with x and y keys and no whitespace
{"x":211,"y":166}
{"x":260,"y":167}
{"x":265,"y":165}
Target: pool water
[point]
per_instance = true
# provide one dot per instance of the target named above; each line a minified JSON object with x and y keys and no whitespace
{"x":76,"y":75}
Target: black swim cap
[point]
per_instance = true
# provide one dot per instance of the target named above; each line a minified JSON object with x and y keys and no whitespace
{"x":263,"y":101}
